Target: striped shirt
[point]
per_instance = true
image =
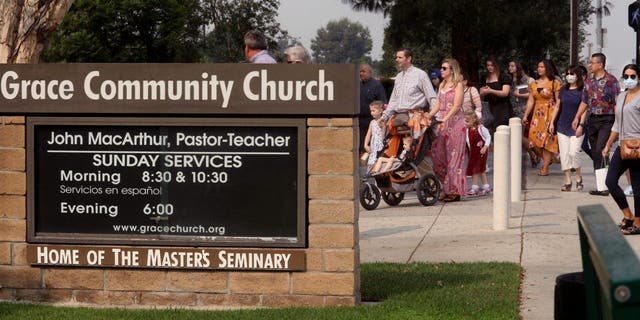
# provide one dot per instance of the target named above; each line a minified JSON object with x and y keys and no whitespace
{"x":412,"y":89}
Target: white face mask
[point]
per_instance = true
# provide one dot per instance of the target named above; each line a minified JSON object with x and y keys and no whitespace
{"x":571,"y":78}
{"x":630,"y":83}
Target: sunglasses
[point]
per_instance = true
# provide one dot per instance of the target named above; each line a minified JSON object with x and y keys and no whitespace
{"x":571,"y":74}
{"x":444,"y":68}
{"x":627,"y":76}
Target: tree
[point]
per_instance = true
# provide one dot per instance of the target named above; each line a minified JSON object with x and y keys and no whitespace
{"x":601,"y":9}
{"x":342,"y":41}
{"x":25,"y":26}
{"x":471,"y":30}
{"x":129,"y":31}
{"x":231,"y":19}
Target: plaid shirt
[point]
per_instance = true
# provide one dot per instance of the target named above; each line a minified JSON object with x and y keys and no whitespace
{"x":600,"y":94}
{"x":412,"y":89}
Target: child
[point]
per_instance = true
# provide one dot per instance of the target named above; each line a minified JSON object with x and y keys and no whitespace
{"x":374,"y":140}
{"x":478,"y":141}
{"x":384,"y":164}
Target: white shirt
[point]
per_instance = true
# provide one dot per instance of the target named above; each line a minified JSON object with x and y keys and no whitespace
{"x":412,"y":89}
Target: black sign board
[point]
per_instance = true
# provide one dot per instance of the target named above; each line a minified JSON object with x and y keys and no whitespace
{"x":204,"y":182}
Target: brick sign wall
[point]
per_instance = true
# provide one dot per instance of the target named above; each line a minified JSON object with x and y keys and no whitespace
{"x":324,"y":260}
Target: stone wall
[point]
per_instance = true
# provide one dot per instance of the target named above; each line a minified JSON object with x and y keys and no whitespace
{"x":332,"y":276}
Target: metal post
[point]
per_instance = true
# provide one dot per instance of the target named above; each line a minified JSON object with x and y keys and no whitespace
{"x":515,"y":124}
{"x":501,"y":195}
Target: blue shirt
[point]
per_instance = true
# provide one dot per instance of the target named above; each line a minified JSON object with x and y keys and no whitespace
{"x":569,"y":103}
{"x":262,"y":57}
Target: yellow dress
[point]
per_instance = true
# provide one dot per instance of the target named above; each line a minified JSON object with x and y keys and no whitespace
{"x":539,"y":135}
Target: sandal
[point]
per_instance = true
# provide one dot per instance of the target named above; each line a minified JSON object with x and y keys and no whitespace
{"x":566,"y":187}
{"x":451,"y":198}
{"x":535,"y":160}
{"x":625,"y":223}
{"x":631,"y":231}
{"x":543,"y":172}
{"x":579,"y":185}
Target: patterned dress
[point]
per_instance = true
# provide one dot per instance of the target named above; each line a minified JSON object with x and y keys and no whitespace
{"x":539,"y":135}
{"x":376,"y":142}
{"x":448,"y":148}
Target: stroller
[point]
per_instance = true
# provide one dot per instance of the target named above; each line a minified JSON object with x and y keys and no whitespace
{"x":404,"y":176}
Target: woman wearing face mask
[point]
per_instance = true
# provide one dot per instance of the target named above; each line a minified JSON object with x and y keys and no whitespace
{"x":569,"y":140}
{"x":626,"y":126}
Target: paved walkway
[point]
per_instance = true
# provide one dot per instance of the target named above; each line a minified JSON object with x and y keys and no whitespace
{"x":542,"y":235}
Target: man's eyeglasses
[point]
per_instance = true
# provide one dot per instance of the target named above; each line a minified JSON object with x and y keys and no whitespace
{"x":627,"y":76}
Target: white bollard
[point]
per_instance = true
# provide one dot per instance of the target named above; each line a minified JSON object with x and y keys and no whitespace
{"x":501,"y":163}
{"x":515,"y":124}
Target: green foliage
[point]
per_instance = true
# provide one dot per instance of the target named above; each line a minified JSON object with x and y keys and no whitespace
{"x":161,"y":30}
{"x":405,"y":291}
{"x":342,"y":41}
{"x":470,"y":30}
{"x":128,"y":31}
{"x":231,"y":19}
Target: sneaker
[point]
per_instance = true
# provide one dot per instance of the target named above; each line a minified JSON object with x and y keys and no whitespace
{"x":483,"y":192}
{"x":628,"y":191}
{"x":473,"y":191}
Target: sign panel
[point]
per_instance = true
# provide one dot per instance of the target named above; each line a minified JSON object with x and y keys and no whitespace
{"x":205,"y":182}
{"x":167,"y":258}
{"x":229,"y":89}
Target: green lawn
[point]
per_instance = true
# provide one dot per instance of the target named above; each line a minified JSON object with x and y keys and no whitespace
{"x":405,"y":291}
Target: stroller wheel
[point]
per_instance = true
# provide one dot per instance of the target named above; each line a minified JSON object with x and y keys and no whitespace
{"x":392,"y":199}
{"x":369,"y":196}
{"x":428,"y":190}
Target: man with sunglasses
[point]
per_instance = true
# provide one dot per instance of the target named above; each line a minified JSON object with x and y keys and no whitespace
{"x":599,"y":98}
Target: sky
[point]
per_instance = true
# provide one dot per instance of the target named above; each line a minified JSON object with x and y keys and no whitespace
{"x":303,"y":18}
{"x":619,"y":39}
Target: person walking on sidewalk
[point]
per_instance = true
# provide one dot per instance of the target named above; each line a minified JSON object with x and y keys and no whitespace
{"x":412,"y":89}
{"x":478,"y":141}
{"x":447,"y":150}
{"x":569,"y":140}
{"x":626,"y":126}
{"x":599,"y":97}
{"x":543,"y":102}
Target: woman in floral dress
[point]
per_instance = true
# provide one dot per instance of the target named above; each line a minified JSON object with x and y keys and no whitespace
{"x":448,"y":148}
{"x":543,"y":102}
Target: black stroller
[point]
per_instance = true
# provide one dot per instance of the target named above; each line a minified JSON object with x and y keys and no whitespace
{"x":405,"y":177}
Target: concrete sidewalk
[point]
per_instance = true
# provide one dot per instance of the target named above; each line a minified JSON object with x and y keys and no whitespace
{"x":542,"y":235}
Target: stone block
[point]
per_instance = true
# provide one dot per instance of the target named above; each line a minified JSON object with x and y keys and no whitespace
{"x":259,"y":282}
{"x":331,"y":236}
{"x":338,"y":187}
{"x":135,"y":280}
{"x":331,"y":162}
{"x":74,"y":278}
{"x":321,"y":283}
{"x":197,"y":281}
{"x":13,"y":207}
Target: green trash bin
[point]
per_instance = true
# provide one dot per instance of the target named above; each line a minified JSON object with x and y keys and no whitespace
{"x":569,"y":300}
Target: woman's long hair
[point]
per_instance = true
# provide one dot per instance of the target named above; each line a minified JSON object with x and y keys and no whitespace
{"x":455,"y":68}
{"x":519,"y":71}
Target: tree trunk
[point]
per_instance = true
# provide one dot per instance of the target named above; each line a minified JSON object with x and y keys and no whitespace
{"x":25,"y":26}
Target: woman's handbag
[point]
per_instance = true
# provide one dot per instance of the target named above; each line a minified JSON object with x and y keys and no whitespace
{"x":629,"y":148}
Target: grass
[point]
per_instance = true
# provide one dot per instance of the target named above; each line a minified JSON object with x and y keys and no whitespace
{"x":405,"y":291}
